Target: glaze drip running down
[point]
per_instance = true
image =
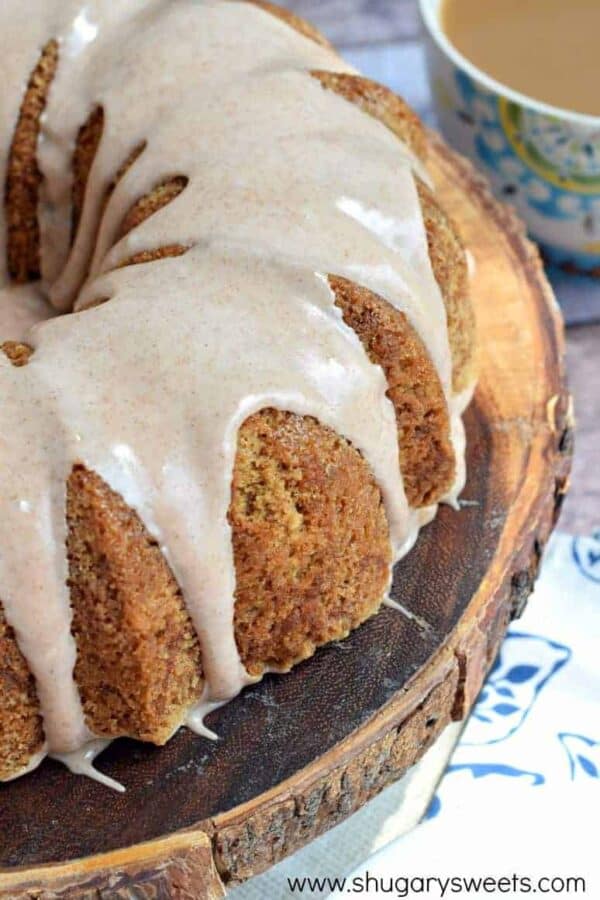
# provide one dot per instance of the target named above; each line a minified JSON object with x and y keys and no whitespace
{"x":282,"y":184}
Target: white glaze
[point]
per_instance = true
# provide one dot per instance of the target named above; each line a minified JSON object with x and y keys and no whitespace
{"x":287,"y":183}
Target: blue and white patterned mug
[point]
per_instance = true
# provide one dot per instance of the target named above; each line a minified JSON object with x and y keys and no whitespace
{"x":543,"y":160}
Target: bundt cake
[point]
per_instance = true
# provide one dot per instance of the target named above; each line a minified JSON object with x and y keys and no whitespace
{"x":237,"y":342}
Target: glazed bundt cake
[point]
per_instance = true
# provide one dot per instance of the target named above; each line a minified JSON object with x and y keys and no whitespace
{"x":237,"y":342}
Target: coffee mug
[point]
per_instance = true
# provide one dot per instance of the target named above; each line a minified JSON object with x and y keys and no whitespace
{"x":544,"y":160}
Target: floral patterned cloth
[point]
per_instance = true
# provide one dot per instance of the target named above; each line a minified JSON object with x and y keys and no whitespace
{"x":538,"y":718}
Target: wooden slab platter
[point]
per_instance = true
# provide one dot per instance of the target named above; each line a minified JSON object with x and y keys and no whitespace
{"x":301,"y":752}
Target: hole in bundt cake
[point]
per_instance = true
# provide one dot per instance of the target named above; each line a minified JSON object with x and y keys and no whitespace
{"x":161,"y":195}
{"x":23,"y":176}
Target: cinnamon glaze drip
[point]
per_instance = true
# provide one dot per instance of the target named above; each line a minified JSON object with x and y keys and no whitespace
{"x":274,"y":184}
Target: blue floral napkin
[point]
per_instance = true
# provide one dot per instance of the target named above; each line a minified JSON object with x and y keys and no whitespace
{"x":538,"y":718}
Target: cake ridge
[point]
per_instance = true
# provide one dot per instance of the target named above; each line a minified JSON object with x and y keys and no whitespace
{"x":232,"y":312}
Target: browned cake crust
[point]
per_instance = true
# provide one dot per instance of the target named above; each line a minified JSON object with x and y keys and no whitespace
{"x":310,"y":566}
{"x":309,"y":530}
{"x":18,"y":353}
{"x":150,"y":203}
{"x":23,"y":176}
{"x":146,"y":256}
{"x":164,"y":192}
{"x":138,"y":660}
{"x":381,"y":103}
{"x":449,"y":264}
{"x":310,"y":539}
{"x":21,"y":734}
{"x":446,"y":251}
{"x":86,"y":145}
{"x":426,"y":454}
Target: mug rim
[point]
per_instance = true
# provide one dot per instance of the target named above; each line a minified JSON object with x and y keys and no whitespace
{"x":430,"y":13}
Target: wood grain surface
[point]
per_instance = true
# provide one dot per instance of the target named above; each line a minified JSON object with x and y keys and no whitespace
{"x":581,"y":513}
{"x":301,"y":752}
{"x":350,"y":23}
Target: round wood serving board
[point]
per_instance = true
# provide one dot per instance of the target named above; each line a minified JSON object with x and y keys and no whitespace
{"x":299,"y":753}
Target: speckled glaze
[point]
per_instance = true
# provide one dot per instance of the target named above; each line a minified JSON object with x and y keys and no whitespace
{"x":149,"y":388}
{"x":543,"y":160}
